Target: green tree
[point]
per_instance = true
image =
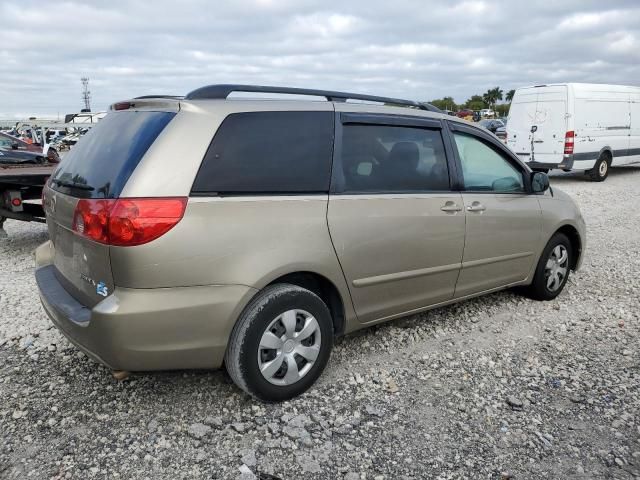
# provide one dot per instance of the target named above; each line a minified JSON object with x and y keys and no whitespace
{"x":502,"y":110}
{"x":476,"y":102}
{"x":509,"y":96}
{"x":445,"y":103}
{"x":492,"y":96}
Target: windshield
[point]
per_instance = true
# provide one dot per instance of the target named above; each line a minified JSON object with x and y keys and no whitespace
{"x":101,"y":162}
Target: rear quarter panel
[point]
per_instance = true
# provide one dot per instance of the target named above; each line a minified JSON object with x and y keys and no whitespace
{"x":236,"y":241}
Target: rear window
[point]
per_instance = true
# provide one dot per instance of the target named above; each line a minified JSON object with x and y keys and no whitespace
{"x":269,"y":152}
{"x":102,"y":161}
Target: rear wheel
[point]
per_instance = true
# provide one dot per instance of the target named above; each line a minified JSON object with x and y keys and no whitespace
{"x":281,"y":343}
{"x":600,"y":170}
{"x":53,"y":156}
{"x":552,"y":271}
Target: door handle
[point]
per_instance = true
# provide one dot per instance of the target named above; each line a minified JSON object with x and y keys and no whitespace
{"x":451,"y":207}
{"x":476,"y":207}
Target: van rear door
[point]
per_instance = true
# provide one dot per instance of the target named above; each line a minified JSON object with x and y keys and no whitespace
{"x":551,"y":125}
{"x":94,"y":172}
{"x":537,"y":124}
{"x":522,"y":113}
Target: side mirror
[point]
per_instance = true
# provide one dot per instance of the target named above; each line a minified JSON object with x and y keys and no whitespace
{"x":15,"y":146}
{"x":539,"y":182}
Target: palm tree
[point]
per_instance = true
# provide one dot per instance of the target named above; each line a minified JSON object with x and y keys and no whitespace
{"x":487,"y":98}
{"x":509,"y":96}
{"x":492,"y":96}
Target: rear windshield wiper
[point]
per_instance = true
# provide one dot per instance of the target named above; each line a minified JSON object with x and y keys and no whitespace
{"x":79,"y":186}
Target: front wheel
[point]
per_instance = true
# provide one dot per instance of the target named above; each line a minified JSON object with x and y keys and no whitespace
{"x":600,"y":170}
{"x":280,"y":344}
{"x":552,"y":271}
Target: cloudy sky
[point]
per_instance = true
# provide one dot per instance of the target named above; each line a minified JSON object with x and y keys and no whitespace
{"x":413,"y":49}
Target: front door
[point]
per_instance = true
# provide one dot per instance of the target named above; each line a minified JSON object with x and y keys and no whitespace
{"x":503,"y":222}
{"x":397,"y":227}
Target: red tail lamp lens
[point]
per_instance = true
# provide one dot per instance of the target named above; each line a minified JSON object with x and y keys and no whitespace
{"x":127,"y":222}
{"x":568,"y":142}
{"x":136,"y":221}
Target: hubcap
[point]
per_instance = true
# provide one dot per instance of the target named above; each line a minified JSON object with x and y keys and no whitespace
{"x":556,"y":268}
{"x":289,"y":347}
{"x":603,"y":168}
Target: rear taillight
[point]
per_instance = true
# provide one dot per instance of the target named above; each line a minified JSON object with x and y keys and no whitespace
{"x":122,"y":106}
{"x":126,"y":222}
{"x":568,"y":142}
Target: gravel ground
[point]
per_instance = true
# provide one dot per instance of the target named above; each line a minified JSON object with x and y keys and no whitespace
{"x":498,"y":387}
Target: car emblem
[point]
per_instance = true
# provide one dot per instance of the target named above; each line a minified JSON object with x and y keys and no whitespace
{"x":101,"y":289}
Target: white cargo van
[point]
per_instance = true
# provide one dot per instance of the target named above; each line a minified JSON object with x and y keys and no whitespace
{"x":576,"y":126}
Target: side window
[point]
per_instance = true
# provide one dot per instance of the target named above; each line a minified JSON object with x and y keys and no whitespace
{"x":485,"y":169}
{"x":379,"y":159}
{"x":269,"y":152}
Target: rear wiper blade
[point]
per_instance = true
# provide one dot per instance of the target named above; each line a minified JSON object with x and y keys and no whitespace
{"x":79,"y":186}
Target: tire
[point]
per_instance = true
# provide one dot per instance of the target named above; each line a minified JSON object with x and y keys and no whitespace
{"x":247,"y":356}
{"x":539,"y":288}
{"x":600,"y":170}
{"x":52,"y":154}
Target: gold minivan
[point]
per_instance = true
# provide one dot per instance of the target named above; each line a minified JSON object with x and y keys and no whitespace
{"x":211,"y":229}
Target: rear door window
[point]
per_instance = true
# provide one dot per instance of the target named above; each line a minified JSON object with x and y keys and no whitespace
{"x":392,"y":159}
{"x":270,"y":153}
{"x":102,"y":161}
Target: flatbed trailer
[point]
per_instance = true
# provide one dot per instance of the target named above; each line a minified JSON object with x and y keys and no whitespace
{"x":20,"y":185}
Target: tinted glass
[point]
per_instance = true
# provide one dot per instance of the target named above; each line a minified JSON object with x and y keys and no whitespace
{"x":102,"y":161}
{"x":269,"y":152}
{"x":484,"y":168}
{"x":378,"y":158}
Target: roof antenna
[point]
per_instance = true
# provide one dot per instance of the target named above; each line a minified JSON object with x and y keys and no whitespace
{"x":86,"y":94}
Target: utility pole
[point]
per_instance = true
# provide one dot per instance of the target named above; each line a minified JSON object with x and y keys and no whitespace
{"x":86,"y":94}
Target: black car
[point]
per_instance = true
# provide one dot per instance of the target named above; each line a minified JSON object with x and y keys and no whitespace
{"x":491,"y":125}
{"x":10,"y":156}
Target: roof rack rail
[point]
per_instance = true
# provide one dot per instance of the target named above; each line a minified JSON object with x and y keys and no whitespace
{"x":173,"y":97}
{"x":223,"y":91}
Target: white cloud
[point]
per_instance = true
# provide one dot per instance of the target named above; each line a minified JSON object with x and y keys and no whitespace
{"x":625,"y":43}
{"x":581,"y":21}
{"x":405,"y":48}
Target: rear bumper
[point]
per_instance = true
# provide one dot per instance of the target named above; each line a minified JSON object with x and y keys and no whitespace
{"x":146,"y":329}
{"x":565,"y":164}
